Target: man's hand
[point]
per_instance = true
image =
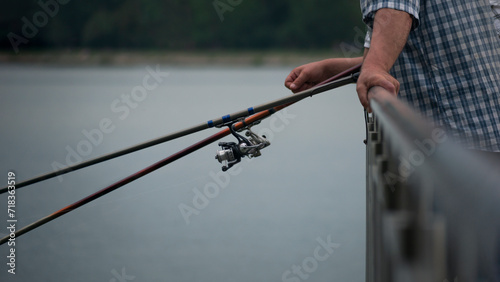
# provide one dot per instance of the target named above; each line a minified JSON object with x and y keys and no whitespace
{"x":309,"y":75}
{"x":373,"y":76}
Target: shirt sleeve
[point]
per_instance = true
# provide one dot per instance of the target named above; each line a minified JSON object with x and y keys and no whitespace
{"x":370,"y":7}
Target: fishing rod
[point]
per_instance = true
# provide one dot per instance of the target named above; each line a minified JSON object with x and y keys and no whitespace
{"x":345,"y":77}
{"x":224,"y":155}
{"x":139,"y":174}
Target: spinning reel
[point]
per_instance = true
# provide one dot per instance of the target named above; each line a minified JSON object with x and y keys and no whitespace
{"x":231,"y":152}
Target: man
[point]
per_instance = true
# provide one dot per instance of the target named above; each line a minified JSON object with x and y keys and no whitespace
{"x":442,"y":57}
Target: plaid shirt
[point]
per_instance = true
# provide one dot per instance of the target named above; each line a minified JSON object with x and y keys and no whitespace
{"x":449,"y":69}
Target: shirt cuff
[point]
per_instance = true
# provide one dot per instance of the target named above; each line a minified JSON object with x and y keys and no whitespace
{"x":411,"y":7}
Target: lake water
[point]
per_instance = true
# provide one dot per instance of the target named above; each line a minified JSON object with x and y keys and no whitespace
{"x":296,"y":213}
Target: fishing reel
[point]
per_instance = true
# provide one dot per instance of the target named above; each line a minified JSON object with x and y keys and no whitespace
{"x":232,"y":152}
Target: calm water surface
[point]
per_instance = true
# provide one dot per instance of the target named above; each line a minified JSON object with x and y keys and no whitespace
{"x":296,"y":213}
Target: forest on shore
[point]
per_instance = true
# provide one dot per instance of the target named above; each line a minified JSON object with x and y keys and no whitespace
{"x":187,"y":25}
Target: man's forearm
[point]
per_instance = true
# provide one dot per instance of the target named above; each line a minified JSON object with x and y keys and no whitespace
{"x":390,"y":32}
{"x":336,"y":65}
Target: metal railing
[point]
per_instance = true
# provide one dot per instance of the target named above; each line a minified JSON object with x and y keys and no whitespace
{"x":433,"y":209}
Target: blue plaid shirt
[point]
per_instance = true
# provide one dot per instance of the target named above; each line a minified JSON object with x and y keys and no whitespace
{"x":449,"y":69}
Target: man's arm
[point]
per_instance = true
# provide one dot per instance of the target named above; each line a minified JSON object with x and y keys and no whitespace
{"x":390,"y":32}
{"x":309,"y":75}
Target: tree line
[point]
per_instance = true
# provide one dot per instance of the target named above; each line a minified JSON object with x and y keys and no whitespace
{"x":178,"y":24}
